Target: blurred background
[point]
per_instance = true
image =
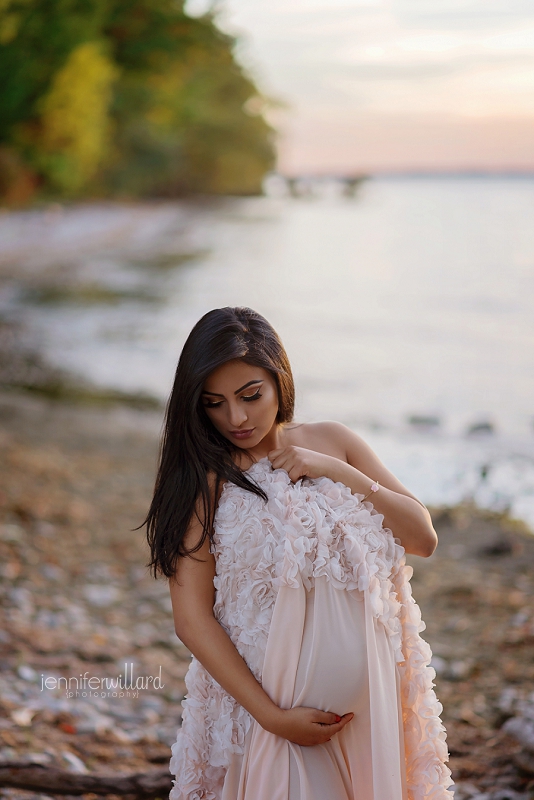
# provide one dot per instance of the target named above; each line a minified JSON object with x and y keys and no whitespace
{"x":361,"y":173}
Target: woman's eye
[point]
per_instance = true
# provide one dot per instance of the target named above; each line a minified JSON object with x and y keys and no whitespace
{"x":249,"y":397}
{"x":212,"y":405}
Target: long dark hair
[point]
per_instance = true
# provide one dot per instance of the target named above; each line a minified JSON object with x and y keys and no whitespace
{"x":191,"y":446}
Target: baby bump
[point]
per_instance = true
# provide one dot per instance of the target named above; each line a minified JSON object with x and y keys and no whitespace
{"x":332,"y":670}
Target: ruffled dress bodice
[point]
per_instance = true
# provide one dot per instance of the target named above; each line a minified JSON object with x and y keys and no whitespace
{"x":315,"y":595}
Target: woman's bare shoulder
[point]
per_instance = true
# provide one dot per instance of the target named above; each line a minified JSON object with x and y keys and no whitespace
{"x":328,"y":437}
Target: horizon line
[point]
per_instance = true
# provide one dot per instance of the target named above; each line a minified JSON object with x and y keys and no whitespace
{"x":408,"y":172}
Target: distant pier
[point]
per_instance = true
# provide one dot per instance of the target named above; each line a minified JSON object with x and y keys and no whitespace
{"x":311,"y":186}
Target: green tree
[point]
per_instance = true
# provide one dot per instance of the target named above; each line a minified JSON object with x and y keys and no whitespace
{"x":181,"y":106}
{"x":74,"y":123}
{"x":36,"y":38}
{"x":127,"y":97}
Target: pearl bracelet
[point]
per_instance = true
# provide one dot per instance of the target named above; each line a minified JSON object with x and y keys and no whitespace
{"x":375,"y":486}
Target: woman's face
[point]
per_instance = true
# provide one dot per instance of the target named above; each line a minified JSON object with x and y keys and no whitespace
{"x":241,"y":401}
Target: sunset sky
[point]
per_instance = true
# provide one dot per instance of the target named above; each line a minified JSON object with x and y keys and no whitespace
{"x":405,"y":84}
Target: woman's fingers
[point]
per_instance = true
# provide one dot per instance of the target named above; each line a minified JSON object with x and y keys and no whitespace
{"x":327,"y":717}
{"x":278,"y":459}
{"x":337,"y":726}
{"x":281,"y":459}
{"x":310,"y":726}
{"x":278,"y":455}
{"x":273,"y":454}
{"x":330,"y":729}
{"x":284,"y":462}
{"x":334,"y":722}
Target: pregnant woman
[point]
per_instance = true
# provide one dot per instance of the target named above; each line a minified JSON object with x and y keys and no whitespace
{"x":309,"y":679}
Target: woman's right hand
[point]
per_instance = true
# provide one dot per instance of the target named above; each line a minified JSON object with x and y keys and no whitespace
{"x":307,"y":726}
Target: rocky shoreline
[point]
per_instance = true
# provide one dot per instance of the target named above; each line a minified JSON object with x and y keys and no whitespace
{"x":78,"y":602}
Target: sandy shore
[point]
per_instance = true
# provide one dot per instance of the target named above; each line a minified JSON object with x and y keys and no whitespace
{"x":76,"y":598}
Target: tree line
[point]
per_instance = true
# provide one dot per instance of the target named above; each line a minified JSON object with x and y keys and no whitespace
{"x":124,"y":98}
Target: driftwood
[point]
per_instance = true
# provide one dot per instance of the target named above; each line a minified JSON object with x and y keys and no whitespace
{"x":34,"y":777}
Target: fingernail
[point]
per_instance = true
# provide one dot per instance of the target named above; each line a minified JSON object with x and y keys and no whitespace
{"x":338,"y":718}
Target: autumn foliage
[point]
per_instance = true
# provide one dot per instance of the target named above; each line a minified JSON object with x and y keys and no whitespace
{"x":124,"y":98}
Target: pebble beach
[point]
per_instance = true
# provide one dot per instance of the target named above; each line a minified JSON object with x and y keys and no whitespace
{"x":78,"y":600}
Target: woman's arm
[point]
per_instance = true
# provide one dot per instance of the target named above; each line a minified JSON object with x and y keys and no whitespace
{"x":193,"y":595}
{"x":357,"y":466}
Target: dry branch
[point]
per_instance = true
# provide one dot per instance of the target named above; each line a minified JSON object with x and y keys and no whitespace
{"x":33,"y":777}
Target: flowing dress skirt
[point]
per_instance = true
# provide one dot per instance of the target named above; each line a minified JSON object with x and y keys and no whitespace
{"x":315,"y":595}
{"x":317,"y":656}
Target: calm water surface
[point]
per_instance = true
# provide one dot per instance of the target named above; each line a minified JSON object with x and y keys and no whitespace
{"x":413,"y":299}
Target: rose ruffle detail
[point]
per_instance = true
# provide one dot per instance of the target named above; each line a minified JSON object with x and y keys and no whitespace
{"x":306,"y":530}
{"x":427,"y":775}
{"x":214,"y":727}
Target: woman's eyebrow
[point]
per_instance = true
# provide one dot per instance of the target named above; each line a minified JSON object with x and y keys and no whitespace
{"x":257,"y":380}
{"x":216,"y":394}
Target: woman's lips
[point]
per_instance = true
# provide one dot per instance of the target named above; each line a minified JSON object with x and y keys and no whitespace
{"x":242,"y":434}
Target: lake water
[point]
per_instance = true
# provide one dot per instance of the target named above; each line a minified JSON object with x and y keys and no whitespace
{"x":407,"y":312}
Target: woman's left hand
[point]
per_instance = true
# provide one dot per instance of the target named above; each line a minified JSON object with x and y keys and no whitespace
{"x":301,"y":463}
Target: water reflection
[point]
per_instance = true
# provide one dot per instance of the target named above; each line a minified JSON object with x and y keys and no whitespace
{"x":406,"y":310}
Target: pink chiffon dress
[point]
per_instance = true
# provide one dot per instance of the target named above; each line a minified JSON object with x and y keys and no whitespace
{"x":314,"y":593}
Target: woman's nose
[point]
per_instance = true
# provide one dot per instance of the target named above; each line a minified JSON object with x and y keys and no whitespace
{"x":238,"y":415}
